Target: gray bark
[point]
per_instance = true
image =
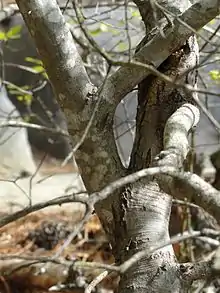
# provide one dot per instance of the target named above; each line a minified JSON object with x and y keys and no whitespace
{"x":137,"y":217}
{"x":157,"y":102}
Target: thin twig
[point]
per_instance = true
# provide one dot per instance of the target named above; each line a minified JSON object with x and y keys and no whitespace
{"x":96,"y":281}
{"x":22,"y":124}
{"x":79,"y":197}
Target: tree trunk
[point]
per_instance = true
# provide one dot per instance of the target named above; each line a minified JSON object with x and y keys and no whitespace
{"x":136,"y":217}
{"x":142,"y":222}
{"x":143,"y":211}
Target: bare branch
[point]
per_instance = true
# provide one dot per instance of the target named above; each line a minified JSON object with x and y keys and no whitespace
{"x":187,"y":184}
{"x":81,"y":197}
{"x":201,"y":192}
{"x":78,"y":228}
{"x":96,"y":281}
{"x":124,"y":266}
{"x":22,"y":124}
{"x":176,"y":239}
{"x":125,"y":78}
{"x":176,"y":145}
{"x":57,"y":50}
{"x":121,"y":82}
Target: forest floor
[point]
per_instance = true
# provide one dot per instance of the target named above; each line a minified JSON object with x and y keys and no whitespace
{"x":41,"y":234}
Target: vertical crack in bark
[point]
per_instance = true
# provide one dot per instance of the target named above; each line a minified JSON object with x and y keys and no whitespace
{"x":157,"y":101}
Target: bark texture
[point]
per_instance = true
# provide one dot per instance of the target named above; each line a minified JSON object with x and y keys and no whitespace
{"x":136,"y":217}
{"x":144,"y":207}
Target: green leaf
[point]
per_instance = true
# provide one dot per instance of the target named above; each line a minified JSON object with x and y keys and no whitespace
{"x":122,"y":46}
{"x":14,"y":32}
{"x":215,"y":75}
{"x":26,"y":118}
{"x":17,"y":90}
{"x":135,"y":13}
{"x":121,"y":23}
{"x":95,"y":32}
{"x":45,"y":75}
{"x":3,"y":36}
{"x":34,"y":60}
{"x":115,"y":32}
{"x":38,"y":69}
{"x":213,"y":21}
{"x":104,"y":27}
{"x":72,"y":20}
{"x":13,"y":90}
{"x":20,"y":98}
{"x":28,"y":99}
